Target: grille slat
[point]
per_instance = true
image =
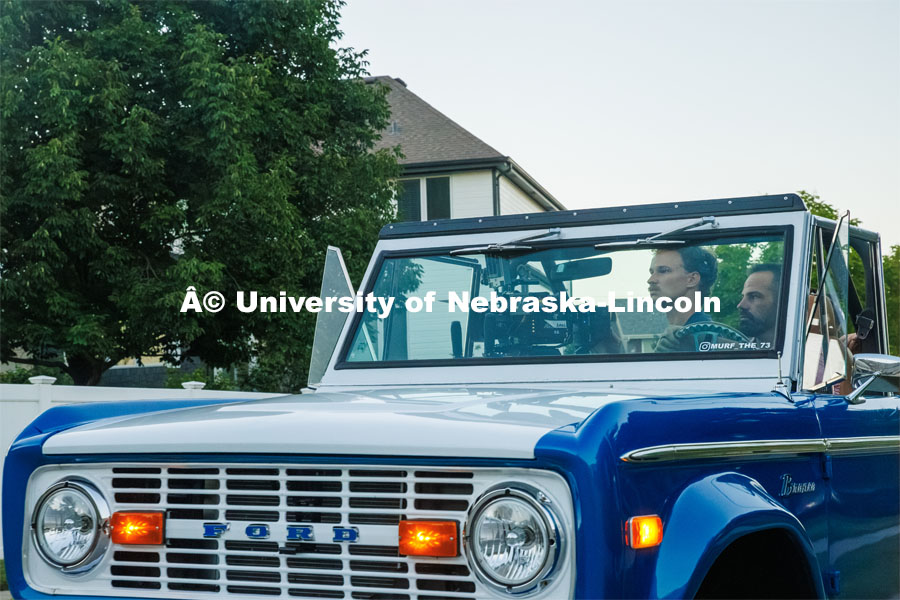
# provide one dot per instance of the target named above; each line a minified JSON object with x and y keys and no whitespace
{"x":135,"y":483}
{"x":357,"y":570}
{"x":307,"y":593}
{"x":329,"y":579}
{"x":371,"y":499}
{"x":305,"y":495}
{"x":163,"y":578}
{"x":378,"y":583}
{"x":193,"y":587}
{"x":394,"y":583}
{"x":360,"y":550}
{"x":252,"y":561}
{"x":266,"y":516}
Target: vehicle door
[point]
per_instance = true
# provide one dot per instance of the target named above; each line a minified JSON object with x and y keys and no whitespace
{"x":847,"y":317}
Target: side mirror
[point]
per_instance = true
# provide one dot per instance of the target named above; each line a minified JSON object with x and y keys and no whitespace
{"x":875,"y":373}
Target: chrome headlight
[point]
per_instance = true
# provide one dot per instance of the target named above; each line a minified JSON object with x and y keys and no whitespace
{"x":69,"y":525}
{"x":512,"y":538}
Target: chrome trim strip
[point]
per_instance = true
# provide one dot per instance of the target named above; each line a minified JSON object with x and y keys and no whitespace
{"x":873,"y":444}
{"x":761,"y":449}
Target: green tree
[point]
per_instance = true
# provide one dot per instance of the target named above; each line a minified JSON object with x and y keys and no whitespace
{"x":820,"y":208}
{"x":733,"y":261}
{"x":890,"y":264}
{"x":152,"y":146}
{"x":892,"y":293}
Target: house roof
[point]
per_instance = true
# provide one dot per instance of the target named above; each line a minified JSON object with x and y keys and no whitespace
{"x":424,"y":134}
{"x":432,"y":142}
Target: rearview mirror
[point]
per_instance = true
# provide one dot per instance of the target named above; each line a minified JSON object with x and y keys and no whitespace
{"x":587,"y":268}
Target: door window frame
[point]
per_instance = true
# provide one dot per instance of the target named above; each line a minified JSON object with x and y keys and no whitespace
{"x":874,"y":278}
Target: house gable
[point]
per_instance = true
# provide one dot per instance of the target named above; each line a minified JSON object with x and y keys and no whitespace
{"x":441,"y":155}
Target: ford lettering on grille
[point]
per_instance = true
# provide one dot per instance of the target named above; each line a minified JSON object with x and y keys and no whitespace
{"x":292,"y":533}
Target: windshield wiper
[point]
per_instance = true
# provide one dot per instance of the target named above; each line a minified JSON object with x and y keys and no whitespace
{"x":511,"y":246}
{"x":658,"y":239}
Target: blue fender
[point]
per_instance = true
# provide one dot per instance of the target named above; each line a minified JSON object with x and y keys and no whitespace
{"x":707,"y":517}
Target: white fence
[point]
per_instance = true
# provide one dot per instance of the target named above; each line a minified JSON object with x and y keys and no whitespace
{"x":20,"y":404}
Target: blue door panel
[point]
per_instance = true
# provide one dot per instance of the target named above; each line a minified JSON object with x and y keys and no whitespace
{"x":864,"y":502}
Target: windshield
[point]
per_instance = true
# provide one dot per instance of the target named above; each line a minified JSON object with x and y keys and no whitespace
{"x":720,"y":296}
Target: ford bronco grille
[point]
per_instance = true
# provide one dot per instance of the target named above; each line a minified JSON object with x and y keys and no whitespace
{"x":321,"y":500}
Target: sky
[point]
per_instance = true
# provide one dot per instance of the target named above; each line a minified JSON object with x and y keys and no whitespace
{"x":610,"y":103}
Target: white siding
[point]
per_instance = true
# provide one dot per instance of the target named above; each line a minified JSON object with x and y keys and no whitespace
{"x":514,"y":201}
{"x":471,"y":195}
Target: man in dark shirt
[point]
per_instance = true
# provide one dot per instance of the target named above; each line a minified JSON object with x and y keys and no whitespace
{"x":758,"y":308}
{"x":681,"y":273}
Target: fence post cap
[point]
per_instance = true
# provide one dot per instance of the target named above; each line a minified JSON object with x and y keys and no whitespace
{"x":42,"y":380}
{"x":193,"y":385}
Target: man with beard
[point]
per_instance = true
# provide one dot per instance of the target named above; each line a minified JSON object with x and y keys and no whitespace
{"x":758,"y":308}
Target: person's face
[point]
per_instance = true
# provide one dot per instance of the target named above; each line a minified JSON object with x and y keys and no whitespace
{"x":668,"y":277}
{"x":758,"y":306}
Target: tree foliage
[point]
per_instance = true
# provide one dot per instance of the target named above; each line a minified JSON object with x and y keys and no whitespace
{"x":151,"y":146}
{"x":892,"y":293}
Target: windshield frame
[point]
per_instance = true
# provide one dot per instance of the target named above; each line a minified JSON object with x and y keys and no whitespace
{"x":786,"y":231}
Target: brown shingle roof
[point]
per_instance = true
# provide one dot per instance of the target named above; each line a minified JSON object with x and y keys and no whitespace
{"x":423,"y":133}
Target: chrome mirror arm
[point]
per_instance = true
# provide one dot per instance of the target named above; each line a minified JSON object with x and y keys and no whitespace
{"x":854,"y":397}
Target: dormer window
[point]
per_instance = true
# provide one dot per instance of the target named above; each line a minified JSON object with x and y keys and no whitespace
{"x":424,"y":199}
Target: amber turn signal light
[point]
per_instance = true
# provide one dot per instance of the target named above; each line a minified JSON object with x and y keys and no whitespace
{"x":429,"y":538}
{"x":644,"y":532}
{"x":136,"y":528}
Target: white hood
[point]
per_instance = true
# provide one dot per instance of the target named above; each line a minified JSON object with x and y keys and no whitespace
{"x":459,"y":422}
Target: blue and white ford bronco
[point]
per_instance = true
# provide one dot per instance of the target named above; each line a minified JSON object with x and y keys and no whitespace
{"x":744,"y":447}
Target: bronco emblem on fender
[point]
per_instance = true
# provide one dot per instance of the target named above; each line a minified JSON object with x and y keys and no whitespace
{"x":788,"y":487}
